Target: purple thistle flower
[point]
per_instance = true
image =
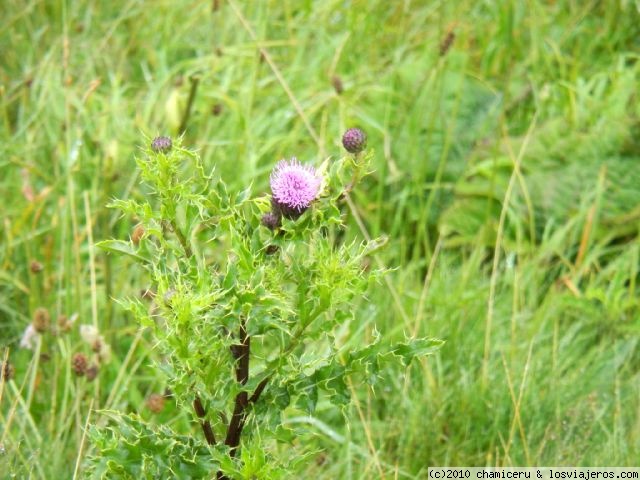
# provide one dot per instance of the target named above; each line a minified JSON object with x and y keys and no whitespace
{"x":294,"y":187}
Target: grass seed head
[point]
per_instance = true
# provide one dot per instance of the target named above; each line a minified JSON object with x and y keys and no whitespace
{"x":36,"y":267}
{"x":7,"y":372}
{"x":92,"y":372}
{"x":41,"y":320}
{"x":79,"y":364}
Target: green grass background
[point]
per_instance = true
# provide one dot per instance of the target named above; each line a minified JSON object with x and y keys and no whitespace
{"x":506,"y":177}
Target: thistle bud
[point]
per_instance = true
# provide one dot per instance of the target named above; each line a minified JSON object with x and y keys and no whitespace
{"x":41,"y":320}
{"x":354,"y":140}
{"x":271,"y":220}
{"x":161,"y":144}
{"x":79,"y":364}
{"x":272,"y":249}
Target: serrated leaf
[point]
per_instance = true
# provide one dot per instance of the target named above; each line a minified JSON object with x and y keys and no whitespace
{"x":119,"y":246}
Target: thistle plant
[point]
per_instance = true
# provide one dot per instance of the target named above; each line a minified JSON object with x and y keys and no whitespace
{"x":256,"y":298}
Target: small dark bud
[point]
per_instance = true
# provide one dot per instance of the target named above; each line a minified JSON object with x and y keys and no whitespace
{"x":216,"y":110}
{"x":7,"y":371}
{"x":155,"y":402}
{"x":354,"y":140}
{"x":137,"y":234}
{"x":92,"y":372}
{"x":272,"y":249}
{"x":79,"y":364}
{"x":161,"y":144}
{"x":336,"y":81}
{"x":41,"y":320}
{"x":36,"y":267}
{"x":271,"y":220}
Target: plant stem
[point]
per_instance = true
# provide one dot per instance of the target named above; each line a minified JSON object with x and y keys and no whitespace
{"x":181,"y":238}
{"x":241,"y":354}
{"x":206,"y":425}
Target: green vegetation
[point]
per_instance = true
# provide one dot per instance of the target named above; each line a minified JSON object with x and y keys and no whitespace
{"x":506,"y":178}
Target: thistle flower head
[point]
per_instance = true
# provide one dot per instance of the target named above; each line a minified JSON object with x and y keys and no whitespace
{"x":161,"y":144}
{"x":294,"y":187}
{"x":354,"y":140}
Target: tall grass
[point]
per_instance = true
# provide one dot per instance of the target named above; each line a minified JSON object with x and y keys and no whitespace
{"x":505,"y":179}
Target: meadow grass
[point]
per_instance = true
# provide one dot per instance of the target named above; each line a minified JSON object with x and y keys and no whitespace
{"x":506,"y":178}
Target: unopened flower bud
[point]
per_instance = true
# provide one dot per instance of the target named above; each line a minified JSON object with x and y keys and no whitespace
{"x":271,"y":220}
{"x":161,"y":144}
{"x":354,"y":140}
{"x":272,"y":249}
